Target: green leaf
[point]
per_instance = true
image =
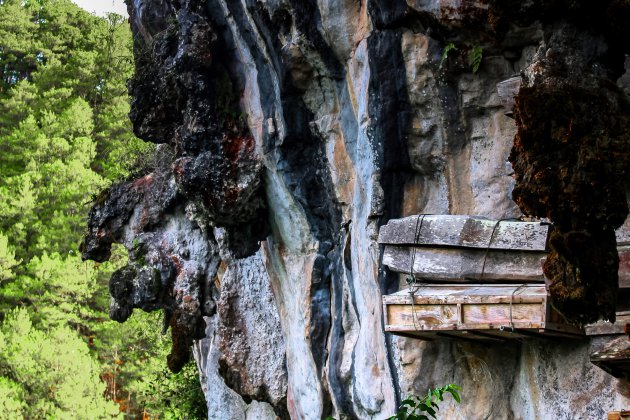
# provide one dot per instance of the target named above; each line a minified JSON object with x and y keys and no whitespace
{"x":474,"y":58}
{"x":437,"y":393}
{"x":455,"y":395}
{"x":449,"y":47}
{"x":417,"y":417}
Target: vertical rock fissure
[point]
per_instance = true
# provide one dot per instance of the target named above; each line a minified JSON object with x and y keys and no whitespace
{"x":389,"y":106}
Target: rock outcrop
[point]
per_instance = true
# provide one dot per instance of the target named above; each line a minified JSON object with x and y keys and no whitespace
{"x":571,"y":155}
{"x":290,"y":131}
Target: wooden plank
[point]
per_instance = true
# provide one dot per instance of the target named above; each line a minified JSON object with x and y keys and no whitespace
{"x":564,"y":330}
{"x":466,"y":232}
{"x":472,"y":291}
{"x":426,"y":316}
{"x":619,"y":415}
{"x":469,"y":293}
{"x":495,"y":309}
{"x":608,"y":328}
{"x":509,"y":334}
{"x":491,"y":334}
{"x":459,"y":299}
{"x":465,"y":265}
{"x":604,"y":328}
{"x":503,"y":314}
{"x":465,"y":336}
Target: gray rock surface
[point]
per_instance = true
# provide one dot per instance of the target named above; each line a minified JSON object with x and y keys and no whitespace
{"x":298,"y":129}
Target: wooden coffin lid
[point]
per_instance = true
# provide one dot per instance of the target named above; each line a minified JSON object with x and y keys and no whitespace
{"x":463,"y":231}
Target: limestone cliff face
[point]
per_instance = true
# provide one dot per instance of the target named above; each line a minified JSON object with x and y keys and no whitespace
{"x":291,"y":130}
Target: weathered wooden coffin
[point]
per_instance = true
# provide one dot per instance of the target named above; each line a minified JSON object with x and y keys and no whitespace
{"x":456,"y":249}
{"x":608,"y":328}
{"x":451,"y":248}
{"x":475,"y":311}
{"x":476,"y":279}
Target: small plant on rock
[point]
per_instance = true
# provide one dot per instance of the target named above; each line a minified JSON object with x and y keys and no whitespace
{"x":474,"y":58}
{"x":450,"y":46}
{"x":413,"y":407}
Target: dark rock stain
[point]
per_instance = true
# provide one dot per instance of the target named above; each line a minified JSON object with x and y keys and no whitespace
{"x":571,"y":156}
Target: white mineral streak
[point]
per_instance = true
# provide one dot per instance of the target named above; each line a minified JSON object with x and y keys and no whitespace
{"x":224,"y":403}
{"x":371,"y":391}
{"x":290,"y":279}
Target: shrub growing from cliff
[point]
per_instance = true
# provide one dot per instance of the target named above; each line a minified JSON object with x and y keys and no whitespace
{"x":413,"y":407}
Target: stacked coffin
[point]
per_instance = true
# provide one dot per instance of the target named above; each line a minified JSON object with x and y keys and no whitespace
{"x":470,"y":278}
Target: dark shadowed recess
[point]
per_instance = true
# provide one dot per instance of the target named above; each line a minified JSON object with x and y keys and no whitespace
{"x":389,"y":107}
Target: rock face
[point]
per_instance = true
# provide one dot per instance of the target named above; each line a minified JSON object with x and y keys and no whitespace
{"x":292,"y":130}
{"x":571,"y":157}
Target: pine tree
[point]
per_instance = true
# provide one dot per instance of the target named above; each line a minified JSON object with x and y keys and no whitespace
{"x":65,"y":135}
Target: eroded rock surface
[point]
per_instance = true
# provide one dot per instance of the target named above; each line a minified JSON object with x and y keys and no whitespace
{"x":571,"y":158}
{"x":172,"y":260}
{"x":295,"y":129}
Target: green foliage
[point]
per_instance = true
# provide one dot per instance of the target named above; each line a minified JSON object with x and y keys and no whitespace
{"x":11,"y":399}
{"x":449,"y":47}
{"x":176,"y":395}
{"x":7,"y":259}
{"x":413,"y":407}
{"x":64,"y":136}
{"x":48,"y":373}
{"x":474,"y":58}
{"x":133,"y":357}
{"x":475,"y":55}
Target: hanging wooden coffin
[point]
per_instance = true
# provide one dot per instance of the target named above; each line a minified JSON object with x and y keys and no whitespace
{"x":460,"y":249}
{"x":476,"y":311}
{"x":470,"y":278}
{"x":613,"y":357}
